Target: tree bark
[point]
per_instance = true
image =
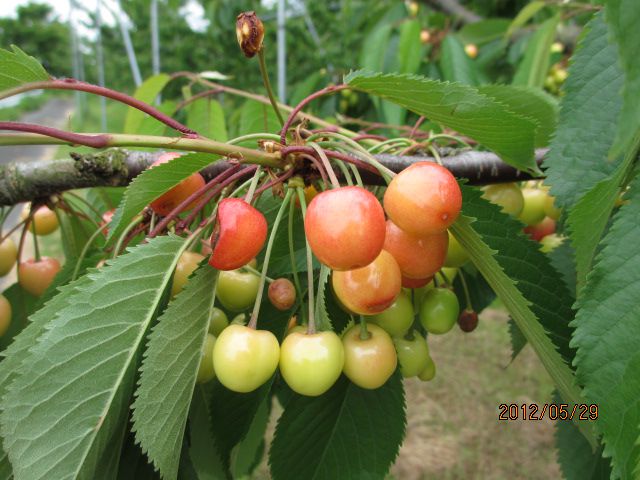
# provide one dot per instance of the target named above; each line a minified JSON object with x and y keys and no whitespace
{"x":27,"y":181}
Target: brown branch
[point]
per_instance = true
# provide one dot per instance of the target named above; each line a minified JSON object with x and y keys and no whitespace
{"x":26,"y":181}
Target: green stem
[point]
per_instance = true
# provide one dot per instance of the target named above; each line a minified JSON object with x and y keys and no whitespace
{"x":252,"y":187}
{"x":345,"y":173}
{"x":292,"y":255}
{"x":249,"y":268}
{"x":326,"y":163}
{"x":254,"y":136}
{"x":84,"y":251}
{"x":267,"y":85}
{"x":124,"y":234}
{"x":466,"y":289}
{"x":364,"y":333}
{"x":253,"y":323}
{"x":204,"y":145}
{"x":392,"y":142}
{"x":356,"y":174}
{"x":311,"y":326}
{"x":36,"y":249}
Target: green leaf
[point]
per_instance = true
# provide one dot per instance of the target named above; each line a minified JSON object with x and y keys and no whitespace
{"x":349,"y":432}
{"x":206,"y":117}
{"x":74,"y":233}
{"x":153,"y":126}
{"x":455,"y":63}
{"x":70,"y":400}
{"x":256,"y":117}
{"x":203,"y":450}
{"x":588,"y":117}
{"x":248,"y":453}
{"x":539,"y":302}
{"x":532,"y":103}
{"x":23,"y":304}
{"x":606,"y":337}
{"x":152,"y":183}
{"x":534,"y":66}
{"x":623,"y":17}
{"x":484,"y":31}
{"x":147,"y":92}
{"x":577,"y":460}
{"x":459,"y":107}
{"x":410,"y":49}
{"x":562,"y":259}
{"x":323,"y":322}
{"x":16,"y":68}
{"x":524,"y":15}
{"x":169,"y":370}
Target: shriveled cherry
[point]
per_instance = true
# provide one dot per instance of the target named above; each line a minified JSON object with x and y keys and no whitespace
{"x":165,"y":203}
{"x":238,"y":236}
{"x":282,"y":293}
{"x":423,"y":199}
{"x":36,"y":276}
{"x":417,"y":256}
{"x":371,"y":289}
{"x":468,"y":320}
{"x":345,"y":227}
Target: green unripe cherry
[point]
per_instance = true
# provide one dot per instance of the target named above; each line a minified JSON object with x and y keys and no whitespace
{"x":397,"y":319}
{"x":439,"y":310}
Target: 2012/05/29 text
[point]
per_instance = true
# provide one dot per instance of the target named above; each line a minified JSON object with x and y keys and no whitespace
{"x":552,"y":411}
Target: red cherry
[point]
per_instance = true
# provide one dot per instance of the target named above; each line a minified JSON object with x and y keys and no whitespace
{"x":417,"y":257}
{"x":164,"y":204}
{"x":423,"y":199}
{"x":238,"y":236}
{"x":345,"y":227}
{"x":415,"y":282}
{"x":540,"y":230}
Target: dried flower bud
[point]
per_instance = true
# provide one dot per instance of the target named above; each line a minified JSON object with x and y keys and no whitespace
{"x":250,"y":33}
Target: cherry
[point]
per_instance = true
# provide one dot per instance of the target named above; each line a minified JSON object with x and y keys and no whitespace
{"x":397,"y":319}
{"x":311,"y":363}
{"x":282,"y":294}
{"x":468,"y":320}
{"x":456,"y":255}
{"x":345,"y":227}
{"x":238,"y":236}
{"x":371,"y":289}
{"x":425,"y":36}
{"x":165,"y":203}
{"x":533,"y":210}
{"x":471,"y":50}
{"x":36,"y":276}
{"x":206,"y":371}
{"x":44,"y":221}
{"x":5,"y":315}
{"x":187,"y":263}
{"x":439,"y":310}
{"x":237,"y":290}
{"x":507,"y":195}
{"x":218,"y":321}
{"x":415,"y":282}
{"x":368,"y":362}
{"x":417,"y":256}
{"x":8,"y":255}
{"x":540,"y":230}
{"x":429,"y":371}
{"x":244,"y":358}
{"x":413,"y":354}
{"x":423,"y":199}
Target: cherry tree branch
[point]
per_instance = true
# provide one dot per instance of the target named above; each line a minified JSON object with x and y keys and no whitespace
{"x":115,"y":167}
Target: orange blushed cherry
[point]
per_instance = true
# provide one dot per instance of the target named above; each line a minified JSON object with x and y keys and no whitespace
{"x":238,"y":236}
{"x":44,"y":222}
{"x":345,"y":227}
{"x":540,"y":230}
{"x":5,"y":314}
{"x":423,"y":199}
{"x":165,"y":203}
{"x":36,"y":276}
{"x":417,"y":256}
{"x":371,"y":289}
{"x":369,"y":362}
{"x":415,"y":282}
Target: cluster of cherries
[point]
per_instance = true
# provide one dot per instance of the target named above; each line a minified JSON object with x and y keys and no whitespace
{"x":371,"y":257}
{"x":34,"y":274}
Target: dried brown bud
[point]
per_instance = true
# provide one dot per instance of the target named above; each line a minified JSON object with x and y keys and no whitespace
{"x":468,"y":320}
{"x":282,"y":294}
{"x":250,"y":33}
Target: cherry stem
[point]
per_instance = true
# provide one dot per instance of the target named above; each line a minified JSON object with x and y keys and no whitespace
{"x":364,"y":333}
{"x":84,"y":251}
{"x":327,"y":164}
{"x":249,"y":268}
{"x":311,"y":326}
{"x":292,"y":256}
{"x":137,"y":221}
{"x":252,"y":187}
{"x":253,"y":322}
{"x":466,"y":289}
{"x":275,"y":181}
{"x":325,"y":91}
{"x":416,"y":126}
{"x":23,"y":236}
{"x":267,"y":85}
{"x":82,"y":200}
{"x":36,"y":247}
{"x":197,"y":96}
{"x":73,"y":84}
{"x":12,"y":230}
{"x":445,"y":278}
